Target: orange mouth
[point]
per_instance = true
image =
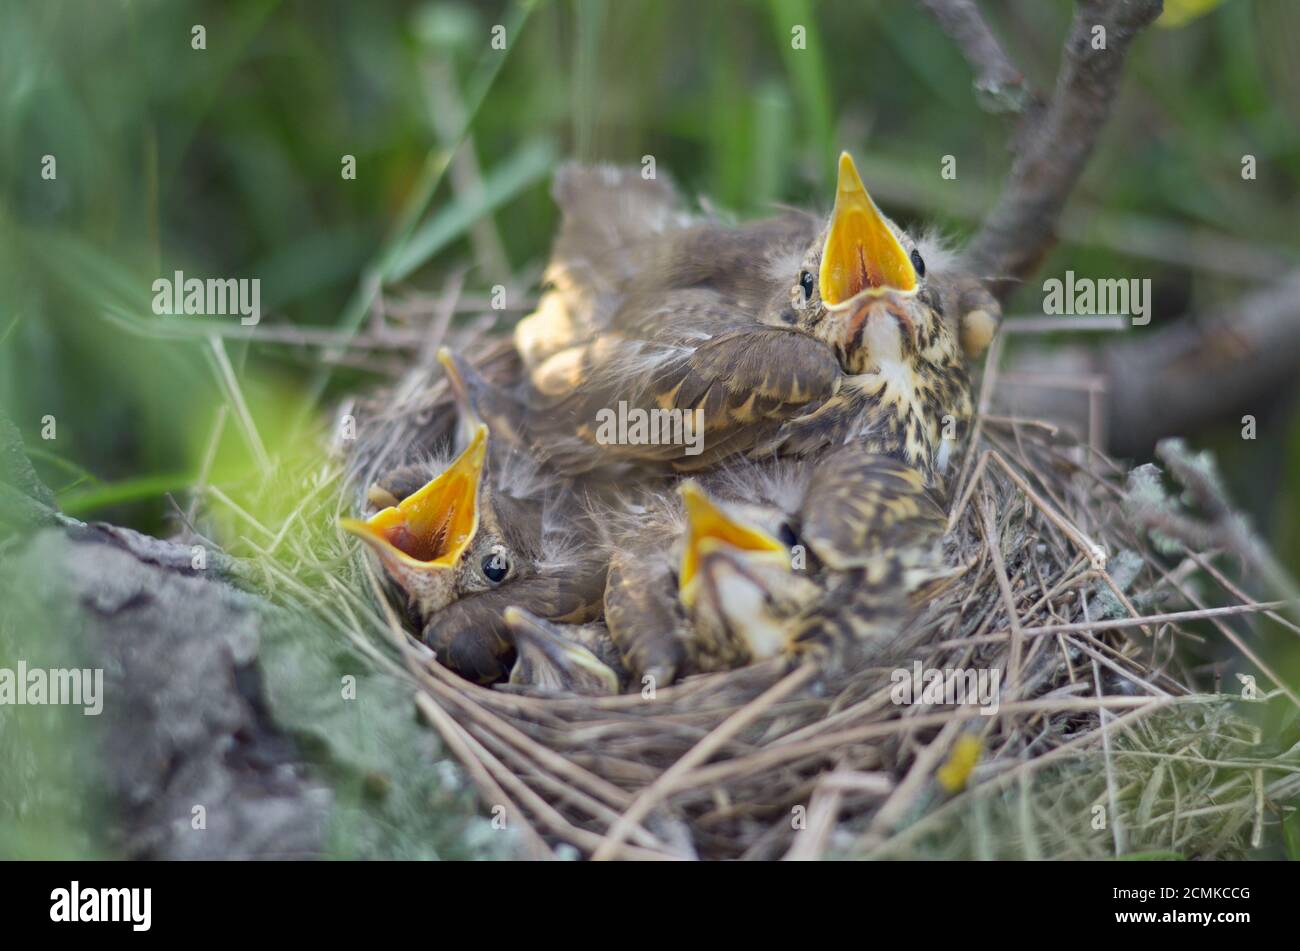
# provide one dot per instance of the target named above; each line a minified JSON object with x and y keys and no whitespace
{"x":432,"y":527}
{"x":862,"y":253}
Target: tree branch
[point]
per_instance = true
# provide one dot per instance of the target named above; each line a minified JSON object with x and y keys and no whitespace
{"x":999,"y":85}
{"x":1200,"y":369}
{"x":1055,"y":145}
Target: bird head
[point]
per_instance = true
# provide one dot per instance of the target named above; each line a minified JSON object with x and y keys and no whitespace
{"x":554,"y":657}
{"x":862,"y":286}
{"x":737,"y":579}
{"x":445,"y":539}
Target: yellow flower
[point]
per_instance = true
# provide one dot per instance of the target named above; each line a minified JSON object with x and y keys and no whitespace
{"x":953,"y":774}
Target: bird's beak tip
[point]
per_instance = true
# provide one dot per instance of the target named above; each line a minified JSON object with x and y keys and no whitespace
{"x":358,"y":527}
{"x":849,"y":181}
{"x":692,"y":495}
{"x":460,"y":389}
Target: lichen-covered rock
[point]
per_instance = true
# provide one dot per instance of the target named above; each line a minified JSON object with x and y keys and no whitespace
{"x":191,"y":765}
{"x":230,"y":727}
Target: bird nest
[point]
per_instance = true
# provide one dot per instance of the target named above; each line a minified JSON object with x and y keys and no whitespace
{"x":1073,"y":586}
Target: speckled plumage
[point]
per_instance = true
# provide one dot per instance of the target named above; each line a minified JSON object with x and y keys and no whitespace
{"x":859,"y":534}
{"x":675,"y":313}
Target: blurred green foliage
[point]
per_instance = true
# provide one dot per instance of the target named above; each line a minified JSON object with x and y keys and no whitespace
{"x":51,"y":801}
{"x":226,"y":161}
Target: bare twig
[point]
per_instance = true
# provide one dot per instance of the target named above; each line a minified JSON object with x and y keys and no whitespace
{"x":993,"y":539}
{"x":1000,"y":86}
{"x":1115,"y":624}
{"x":696,"y":756}
{"x":1055,"y":147}
{"x":1221,"y":526}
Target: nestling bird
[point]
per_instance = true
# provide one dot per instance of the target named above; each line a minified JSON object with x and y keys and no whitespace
{"x":466,"y":537}
{"x":658,"y":543}
{"x":790,"y":335}
{"x":770,"y":559}
{"x":822,"y":343}
{"x":565,"y":658}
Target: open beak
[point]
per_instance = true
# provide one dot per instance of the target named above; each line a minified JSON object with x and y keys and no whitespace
{"x":708,"y":529}
{"x":421,"y":539}
{"x":861,"y":254}
{"x":545,"y":658}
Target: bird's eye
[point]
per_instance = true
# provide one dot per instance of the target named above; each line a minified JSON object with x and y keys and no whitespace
{"x":806,"y":282}
{"x":495,"y":566}
{"x":788,"y":536}
{"x":918,"y":263}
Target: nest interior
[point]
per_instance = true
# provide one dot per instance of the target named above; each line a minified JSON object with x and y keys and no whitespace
{"x":1104,"y":742}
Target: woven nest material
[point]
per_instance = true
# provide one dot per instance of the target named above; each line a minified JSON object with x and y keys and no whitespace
{"x":1103,"y":742}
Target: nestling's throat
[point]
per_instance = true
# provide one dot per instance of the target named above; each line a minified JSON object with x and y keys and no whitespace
{"x":882,"y":339}
{"x":873,"y":335}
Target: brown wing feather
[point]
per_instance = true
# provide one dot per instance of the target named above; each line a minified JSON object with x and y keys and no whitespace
{"x":872,"y":520}
{"x":747,"y":381}
{"x":644,"y":617}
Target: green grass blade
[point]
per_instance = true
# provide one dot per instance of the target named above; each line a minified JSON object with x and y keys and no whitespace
{"x":81,"y":503}
{"x":525,"y":168}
